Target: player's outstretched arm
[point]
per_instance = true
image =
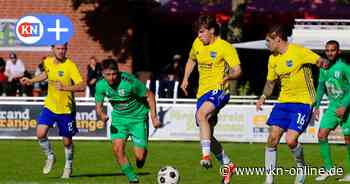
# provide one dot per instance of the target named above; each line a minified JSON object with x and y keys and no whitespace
{"x":188,"y":70}
{"x":99,"y":99}
{"x":319,"y":94}
{"x":38,"y":78}
{"x":151,"y":100}
{"x":268,"y":89}
{"x":322,"y":62}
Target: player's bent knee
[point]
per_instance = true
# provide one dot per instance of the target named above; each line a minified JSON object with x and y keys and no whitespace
{"x":140,"y":153}
{"x":272,"y":141}
{"x":140,"y":156}
{"x":41,"y":135}
{"x":291,"y":142}
{"x":41,"y":131}
{"x":118,"y":150}
{"x":200,"y":116}
{"x":67,"y":141}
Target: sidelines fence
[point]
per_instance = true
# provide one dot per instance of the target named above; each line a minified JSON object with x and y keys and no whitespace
{"x":238,"y":121}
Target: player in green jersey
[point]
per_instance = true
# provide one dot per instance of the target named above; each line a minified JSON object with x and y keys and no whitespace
{"x":335,"y":82}
{"x":131,"y":102}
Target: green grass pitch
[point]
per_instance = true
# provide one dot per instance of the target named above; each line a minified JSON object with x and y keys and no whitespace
{"x":21,"y":162}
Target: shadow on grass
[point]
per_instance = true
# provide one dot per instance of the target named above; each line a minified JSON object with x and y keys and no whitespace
{"x":106,"y":174}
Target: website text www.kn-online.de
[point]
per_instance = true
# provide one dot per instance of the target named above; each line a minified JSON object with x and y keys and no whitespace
{"x":280,"y":171}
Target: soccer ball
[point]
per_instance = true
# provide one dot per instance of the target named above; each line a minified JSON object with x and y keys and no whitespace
{"x":168,"y":175}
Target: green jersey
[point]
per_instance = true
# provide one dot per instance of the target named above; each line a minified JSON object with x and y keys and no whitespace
{"x":335,"y":82}
{"x":127,"y":97}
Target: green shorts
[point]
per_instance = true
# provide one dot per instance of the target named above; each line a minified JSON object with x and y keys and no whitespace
{"x":330,"y":121}
{"x":136,"y":129}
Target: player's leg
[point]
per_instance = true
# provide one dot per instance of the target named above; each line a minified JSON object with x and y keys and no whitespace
{"x":45,"y":120}
{"x":67,"y":129}
{"x":296,"y":148}
{"x":69,"y":154}
{"x":215,"y":145}
{"x":141,"y":155}
{"x":119,"y":132}
{"x":275,"y":133}
{"x":139,"y":135}
{"x":278,"y":124}
{"x":216,"y":148}
{"x":300,"y":115}
{"x":329,"y":122}
{"x":325,"y":152}
{"x":208,"y":106}
{"x":119,"y":153}
{"x":298,"y":153}
{"x":203,"y":114}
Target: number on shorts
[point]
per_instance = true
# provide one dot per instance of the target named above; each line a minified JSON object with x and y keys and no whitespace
{"x":70,"y":126}
{"x":301,"y":120}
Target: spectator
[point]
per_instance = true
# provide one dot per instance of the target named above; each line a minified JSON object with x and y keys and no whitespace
{"x":3,"y":78}
{"x":40,"y":88}
{"x":94,"y":74}
{"x":14,"y":70}
{"x":173,"y":72}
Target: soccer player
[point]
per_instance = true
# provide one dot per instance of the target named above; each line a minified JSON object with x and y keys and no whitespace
{"x":335,"y":82}
{"x":131,"y":102}
{"x":288,"y":63}
{"x":59,"y":107}
{"x":218,"y":63}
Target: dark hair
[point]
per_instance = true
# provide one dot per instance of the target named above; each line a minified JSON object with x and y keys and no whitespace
{"x":278,"y":31}
{"x":109,"y":64}
{"x":333,"y":42}
{"x":208,"y":22}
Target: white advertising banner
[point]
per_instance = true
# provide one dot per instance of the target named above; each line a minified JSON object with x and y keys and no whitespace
{"x":236,"y":123}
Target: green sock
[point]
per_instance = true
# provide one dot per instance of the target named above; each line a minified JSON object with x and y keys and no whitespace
{"x":129,"y":172}
{"x":326,"y":154}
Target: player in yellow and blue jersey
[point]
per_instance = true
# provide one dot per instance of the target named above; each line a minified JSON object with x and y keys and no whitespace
{"x":218,"y":63}
{"x":290,"y":64}
{"x":59,"y":107}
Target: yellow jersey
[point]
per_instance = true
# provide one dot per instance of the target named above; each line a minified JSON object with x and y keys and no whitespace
{"x":292,"y":69}
{"x":213,"y":61}
{"x":61,"y":102}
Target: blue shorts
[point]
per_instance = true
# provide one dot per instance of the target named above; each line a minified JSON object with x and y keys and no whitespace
{"x":65,"y":122}
{"x":294,"y":116}
{"x":217,"y":97}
